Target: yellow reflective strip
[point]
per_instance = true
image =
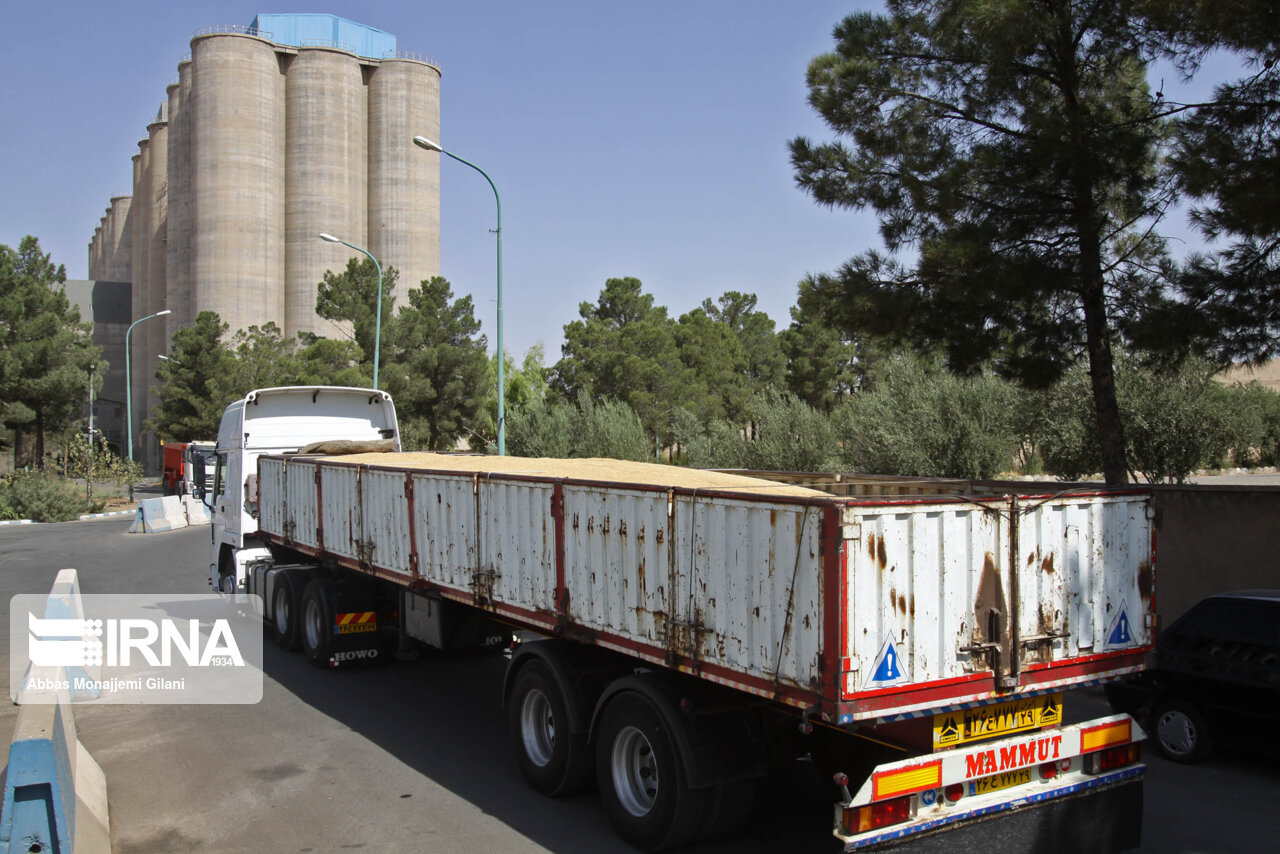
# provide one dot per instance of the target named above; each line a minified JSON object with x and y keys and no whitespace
{"x":1105,"y":736}
{"x":907,"y":780}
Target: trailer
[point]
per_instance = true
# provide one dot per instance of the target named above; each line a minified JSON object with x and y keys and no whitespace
{"x":696,"y":630}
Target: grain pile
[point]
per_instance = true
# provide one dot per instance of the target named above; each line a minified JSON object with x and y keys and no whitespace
{"x":596,"y":470}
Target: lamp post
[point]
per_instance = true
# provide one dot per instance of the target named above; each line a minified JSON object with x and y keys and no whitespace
{"x":165,"y":358}
{"x":429,"y":145}
{"x":377,"y":330}
{"x":128,"y":378}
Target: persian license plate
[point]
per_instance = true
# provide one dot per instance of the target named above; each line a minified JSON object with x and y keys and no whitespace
{"x":965,"y":725}
{"x":999,"y":781}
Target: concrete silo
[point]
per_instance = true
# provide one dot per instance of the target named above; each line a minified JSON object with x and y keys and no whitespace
{"x":157,"y":208}
{"x":326,"y":177}
{"x":177,"y":227}
{"x":236,"y":137}
{"x":117,"y":258}
{"x":140,"y":294}
{"x":404,"y":187}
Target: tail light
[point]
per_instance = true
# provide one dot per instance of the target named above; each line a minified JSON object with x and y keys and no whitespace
{"x":877,"y":815}
{"x":1113,"y":758}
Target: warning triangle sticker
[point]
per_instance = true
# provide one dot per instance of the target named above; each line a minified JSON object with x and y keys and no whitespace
{"x":888,"y":669}
{"x":1120,"y":633}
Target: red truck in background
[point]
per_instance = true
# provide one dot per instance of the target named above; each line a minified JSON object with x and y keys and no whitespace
{"x":180,"y":473}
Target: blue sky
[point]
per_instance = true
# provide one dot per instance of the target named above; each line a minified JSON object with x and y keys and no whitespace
{"x":644,"y":139}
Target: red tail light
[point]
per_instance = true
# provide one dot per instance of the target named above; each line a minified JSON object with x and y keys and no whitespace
{"x":877,"y":815}
{"x":1113,"y":758}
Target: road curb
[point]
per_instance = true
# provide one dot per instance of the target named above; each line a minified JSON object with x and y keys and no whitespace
{"x":17,"y":522}
{"x":107,"y":515}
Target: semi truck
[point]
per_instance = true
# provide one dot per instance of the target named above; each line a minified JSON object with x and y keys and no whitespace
{"x":684,"y":634}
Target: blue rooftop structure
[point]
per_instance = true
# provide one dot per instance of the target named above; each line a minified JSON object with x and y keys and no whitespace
{"x":312,"y":30}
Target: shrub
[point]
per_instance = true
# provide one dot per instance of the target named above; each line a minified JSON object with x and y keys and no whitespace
{"x":40,"y":497}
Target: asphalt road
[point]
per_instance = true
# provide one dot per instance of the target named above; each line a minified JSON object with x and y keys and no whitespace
{"x":413,"y":756}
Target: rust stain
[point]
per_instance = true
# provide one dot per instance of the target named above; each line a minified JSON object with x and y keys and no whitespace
{"x":990,"y":600}
{"x":660,"y":536}
{"x":1046,"y":565}
{"x":591,"y":524}
{"x":1144,"y":580}
{"x":1031,"y":557}
{"x":622,"y":528}
{"x":893,"y":597}
{"x":871,"y":546}
{"x":640,"y":534}
{"x":902,"y":604}
{"x":575,"y":521}
{"x":880,"y":553}
{"x":912,"y":609}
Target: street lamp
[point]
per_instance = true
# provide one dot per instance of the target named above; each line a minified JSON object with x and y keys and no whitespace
{"x":377,"y":331}
{"x":429,"y":145}
{"x":128,"y":377}
{"x":165,"y":358}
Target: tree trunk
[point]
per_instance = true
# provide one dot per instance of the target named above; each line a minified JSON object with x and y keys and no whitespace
{"x":1115,"y":468}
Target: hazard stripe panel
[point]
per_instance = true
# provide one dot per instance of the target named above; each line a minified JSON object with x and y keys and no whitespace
{"x":355,"y":618}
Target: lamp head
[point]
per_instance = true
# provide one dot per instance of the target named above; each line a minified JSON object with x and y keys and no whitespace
{"x":162,"y":313}
{"x":329,"y":238}
{"x":423,"y":142}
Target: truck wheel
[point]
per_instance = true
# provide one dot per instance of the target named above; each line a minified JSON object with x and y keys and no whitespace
{"x":284,"y":614}
{"x":642,"y":783}
{"x":1181,"y":732}
{"x":316,"y":624}
{"x":555,"y":760}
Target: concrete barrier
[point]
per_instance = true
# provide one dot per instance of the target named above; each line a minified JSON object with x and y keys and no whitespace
{"x":55,"y":794}
{"x":197,"y":511}
{"x":159,"y":514}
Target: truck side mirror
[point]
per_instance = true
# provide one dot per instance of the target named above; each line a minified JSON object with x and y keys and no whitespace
{"x":197,"y":479}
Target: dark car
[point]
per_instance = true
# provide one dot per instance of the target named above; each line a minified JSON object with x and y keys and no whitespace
{"x":1216,"y":677}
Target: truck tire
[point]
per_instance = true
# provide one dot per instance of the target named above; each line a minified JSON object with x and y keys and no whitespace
{"x":316,"y":625}
{"x":555,"y":760}
{"x":1181,"y":732}
{"x":285,"y":613}
{"x":642,"y":781}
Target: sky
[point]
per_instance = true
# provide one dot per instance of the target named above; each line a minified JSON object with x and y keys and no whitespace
{"x":644,"y":139}
{"x":626,"y":139}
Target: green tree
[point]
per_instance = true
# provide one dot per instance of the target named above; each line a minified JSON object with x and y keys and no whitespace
{"x":1227,"y":301}
{"x":195,"y":384}
{"x":352,"y":296}
{"x":1014,"y":147}
{"x":46,"y":353}
{"x":329,"y":361}
{"x":921,"y":420}
{"x":763,"y":364}
{"x":437,"y":365}
{"x":623,"y":348}
{"x":523,"y":384}
{"x":607,"y":428}
{"x":824,"y":364}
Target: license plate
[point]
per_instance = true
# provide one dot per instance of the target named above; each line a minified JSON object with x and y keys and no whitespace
{"x":965,"y":725}
{"x":999,"y":781}
{"x":355,"y":628}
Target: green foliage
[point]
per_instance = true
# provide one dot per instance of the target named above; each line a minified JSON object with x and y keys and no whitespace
{"x":789,"y":436}
{"x":352,"y":297}
{"x":40,"y":497}
{"x":97,"y":463}
{"x":1177,"y":420}
{"x":1254,"y":424}
{"x":1014,"y":152}
{"x":921,"y":420}
{"x":1227,"y":301}
{"x":606,"y":428}
{"x":197,"y":384}
{"x":46,"y":353}
{"x":623,"y":348}
{"x":437,"y":369}
{"x":523,"y":385}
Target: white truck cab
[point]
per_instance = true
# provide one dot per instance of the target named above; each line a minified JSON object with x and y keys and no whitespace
{"x":280,"y":421}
